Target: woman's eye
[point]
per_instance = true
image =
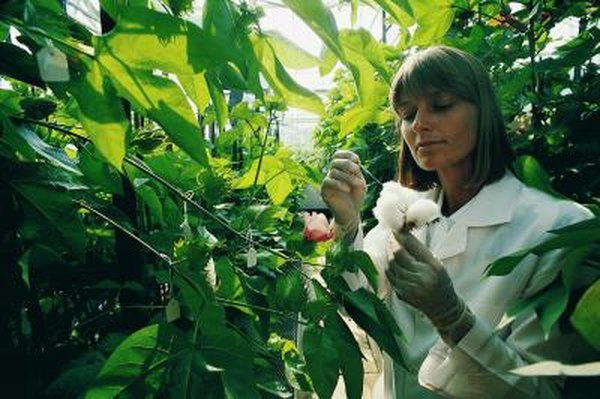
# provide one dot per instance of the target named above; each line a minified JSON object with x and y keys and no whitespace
{"x":442,"y":106}
{"x":408,"y":116}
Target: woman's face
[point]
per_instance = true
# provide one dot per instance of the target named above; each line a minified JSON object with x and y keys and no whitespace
{"x":440,"y":130}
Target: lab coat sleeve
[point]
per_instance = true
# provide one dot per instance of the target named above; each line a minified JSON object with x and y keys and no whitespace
{"x":478,"y":366}
{"x":375,"y":245}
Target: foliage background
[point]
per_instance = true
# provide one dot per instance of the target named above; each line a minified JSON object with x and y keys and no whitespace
{"x":132,"y":194}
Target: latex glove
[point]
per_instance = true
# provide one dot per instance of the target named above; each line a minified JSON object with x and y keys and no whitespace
{"x":419,"y":279}
{"x":343,"y":190}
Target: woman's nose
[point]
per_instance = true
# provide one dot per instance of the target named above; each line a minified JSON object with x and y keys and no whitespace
{"x":421,"y":121}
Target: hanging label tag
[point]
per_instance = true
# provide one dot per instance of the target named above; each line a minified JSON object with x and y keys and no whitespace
{"x":251,"y":257}
{"x":52,"y":64}
{"x":173,"y":310}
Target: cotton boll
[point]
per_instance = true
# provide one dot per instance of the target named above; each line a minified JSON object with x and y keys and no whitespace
{"x":389,"y":211}
{"x":421,"y":212}
{"x":405,"y":196}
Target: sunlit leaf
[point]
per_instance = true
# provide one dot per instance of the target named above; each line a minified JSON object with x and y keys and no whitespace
{"x":279,"y":79}
{"x":101,"y":113}
{"x":586,"y":317}
{"x":321,"y":20}
{"x":290,"y":54}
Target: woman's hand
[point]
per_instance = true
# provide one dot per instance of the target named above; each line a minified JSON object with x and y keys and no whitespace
{"x":344,"y":188}
{"x":420,"y":280}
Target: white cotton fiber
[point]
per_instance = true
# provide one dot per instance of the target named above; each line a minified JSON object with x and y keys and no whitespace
{"x":421,"y":212}
{"x":390,"y":212}
{"x":400,"y":208}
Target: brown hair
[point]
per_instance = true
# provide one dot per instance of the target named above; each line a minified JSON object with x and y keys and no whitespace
{"x":461,"y":74}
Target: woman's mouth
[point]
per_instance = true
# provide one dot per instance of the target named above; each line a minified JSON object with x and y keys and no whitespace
{"x":426,"y":144}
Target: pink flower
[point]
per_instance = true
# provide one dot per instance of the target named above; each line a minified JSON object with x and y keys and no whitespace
{"x":316,"y":227}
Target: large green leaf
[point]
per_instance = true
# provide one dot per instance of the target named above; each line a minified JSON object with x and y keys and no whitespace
{"x":147,"y":39}
{"x":400,"y":10}
{"x":434,"y":18}
{"x":135,"y":369}
{"x":350,"y":360}
{"x":367,"y":310}
{"x":321,"y":20}
{"x":290,"y":54}
{"x":586,"y":317}
{"x":218,"y":99}
{"x":51,"y":217}
{"x":321,"y":359}
{"x":290,"y":293}
{"x":197,"y":89}
{"x":163,"y":101}
{"x":364,"y":58}
{"x":101,"y":113}
{"x":577,"y":234}
{"x":55,"y":156}
{"x":279,"y":79}
{"x":273,"y":174}
{"x":529,"y":170}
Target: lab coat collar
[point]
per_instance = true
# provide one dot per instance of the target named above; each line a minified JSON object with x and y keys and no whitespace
{"x":494,"y":204}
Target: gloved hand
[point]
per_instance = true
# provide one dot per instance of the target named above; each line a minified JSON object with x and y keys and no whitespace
{"x":343,"y":190}
{"x":420,"y":280}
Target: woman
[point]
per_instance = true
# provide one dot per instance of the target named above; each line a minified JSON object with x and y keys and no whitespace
{"x":455,"y":151}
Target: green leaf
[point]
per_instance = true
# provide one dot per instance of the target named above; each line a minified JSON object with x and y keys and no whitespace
{"x":146,"y":39}
{"x":135,"y":369}
{"x":365,"y":59}
{"x":52,"y":218}
{"x":101,"y":114}
{"x":154,"y":204}
{"x":586,"y":317}
{"x":54,"y":155}
{"x":529,"y":170}
{"x":434,"y":18}
{"x":279,"y":79}
{"x":197,"y":89}
{"x":321,"y":360}
{"x":552,"y":308}
{"x":218,"y":100}
{"x":289,"y":53}
{"x":356,"y":117}
{"x":350,"y":360}
{"x":98,"y":173}
{"x":164,"y":102}
{"x":329,"y":61}
{"x":290,"y":293}
{"x":279,"y":185}
{"x":321,"y":20}
{"x":577,"y":234}
{"x":400,"y":10}
{"x":367,"y":310}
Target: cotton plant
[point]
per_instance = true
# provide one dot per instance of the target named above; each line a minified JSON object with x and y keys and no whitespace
{"x":400,"y":209}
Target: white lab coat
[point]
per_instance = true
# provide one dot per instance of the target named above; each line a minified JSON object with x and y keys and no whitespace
{"x":502,"y":218}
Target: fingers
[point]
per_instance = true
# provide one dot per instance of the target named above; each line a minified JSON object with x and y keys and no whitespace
{"x":345,"y":154}
{"x":346,"y":166}
{"x":418,"y":251}
{"x":350,"y":179}
{"x":331,"y":184}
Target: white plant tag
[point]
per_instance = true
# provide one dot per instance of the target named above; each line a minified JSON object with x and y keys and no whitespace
{"x":251,"y":257}
{"x":52,"y":64}
{"x":173,"y":310}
